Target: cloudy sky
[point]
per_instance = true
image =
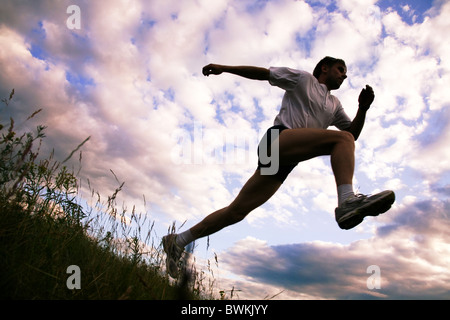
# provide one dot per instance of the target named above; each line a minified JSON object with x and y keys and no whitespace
{"x":129,"y":76}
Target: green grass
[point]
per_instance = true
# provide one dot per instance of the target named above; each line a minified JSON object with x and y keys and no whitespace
{"x":44,"y":230}
{"x":36,"y":252}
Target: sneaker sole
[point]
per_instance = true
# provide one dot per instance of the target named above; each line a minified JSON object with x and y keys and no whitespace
{"x":353,"y":218}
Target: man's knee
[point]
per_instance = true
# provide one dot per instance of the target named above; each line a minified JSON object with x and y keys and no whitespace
{"x":347,"y":137}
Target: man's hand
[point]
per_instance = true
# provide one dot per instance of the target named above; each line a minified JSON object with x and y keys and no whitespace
{"x":366,"y":97}
{"x":212,"y":69}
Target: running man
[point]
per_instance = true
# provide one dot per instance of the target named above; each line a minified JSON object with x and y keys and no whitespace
{"x":299,"y":133}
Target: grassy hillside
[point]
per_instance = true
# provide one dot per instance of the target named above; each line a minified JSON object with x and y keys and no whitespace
{"x":44,"y":232}
{"x":36,"y":252}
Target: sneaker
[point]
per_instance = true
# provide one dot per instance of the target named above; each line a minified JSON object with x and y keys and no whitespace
{"x":356,"y":208}
{"x":174,"y":253}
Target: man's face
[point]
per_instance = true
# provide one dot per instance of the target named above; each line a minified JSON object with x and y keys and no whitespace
{"x":335,"y":75}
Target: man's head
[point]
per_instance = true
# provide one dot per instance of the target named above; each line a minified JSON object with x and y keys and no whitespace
{"x":331,"y":72}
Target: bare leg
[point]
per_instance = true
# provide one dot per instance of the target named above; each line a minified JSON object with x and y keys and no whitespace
{"x":258,"y":189}
{"x":296,"y":145}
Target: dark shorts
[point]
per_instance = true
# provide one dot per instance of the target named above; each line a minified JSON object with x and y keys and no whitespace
{"x":283,"y":170}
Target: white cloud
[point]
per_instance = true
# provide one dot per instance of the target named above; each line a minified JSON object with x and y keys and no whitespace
{"x":136,"y":82}
{"x":402,"y":251}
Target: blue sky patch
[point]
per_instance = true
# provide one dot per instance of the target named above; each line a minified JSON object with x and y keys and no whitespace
{"x":412,"y":11}
{"x":79,"y":82}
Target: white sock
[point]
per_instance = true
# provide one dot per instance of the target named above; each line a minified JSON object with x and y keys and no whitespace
{"x":184,"y":238}
{"x":344,"y":191}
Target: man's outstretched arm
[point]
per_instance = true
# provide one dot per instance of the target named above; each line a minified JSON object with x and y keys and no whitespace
{"x":254,"y":73}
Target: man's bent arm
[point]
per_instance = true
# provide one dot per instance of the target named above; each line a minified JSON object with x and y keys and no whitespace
{"x":365,"y":99}
{"x":249,"y":72}
{"x":358,"y":123}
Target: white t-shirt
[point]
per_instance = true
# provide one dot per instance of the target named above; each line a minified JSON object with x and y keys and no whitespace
{"x":306,"y":103}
